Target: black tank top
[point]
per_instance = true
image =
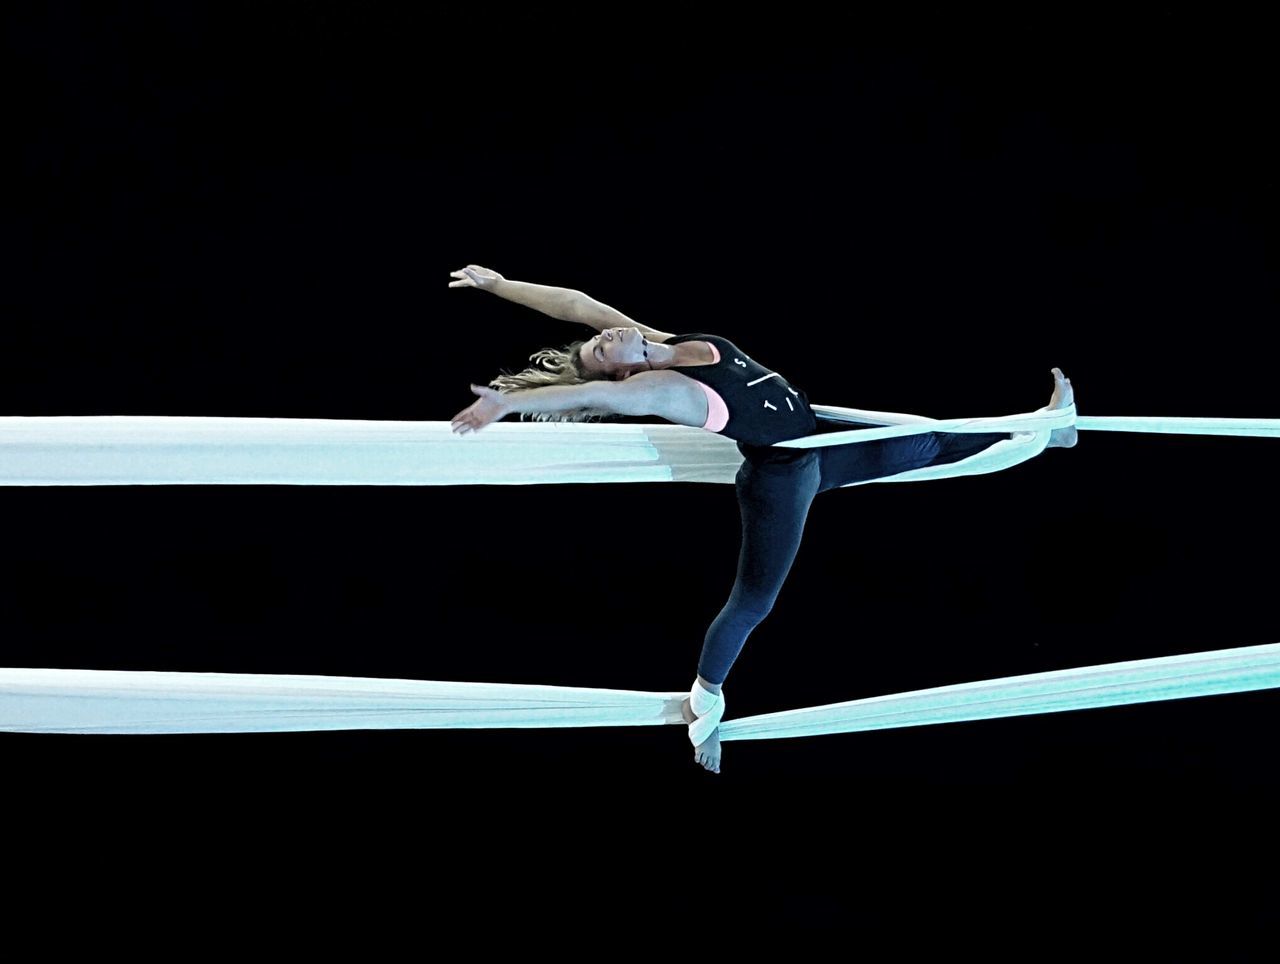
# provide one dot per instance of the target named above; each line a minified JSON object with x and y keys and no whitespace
{"x":764,"y":407}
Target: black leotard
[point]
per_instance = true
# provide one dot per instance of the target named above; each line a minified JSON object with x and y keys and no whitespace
{"x":763,"y":406}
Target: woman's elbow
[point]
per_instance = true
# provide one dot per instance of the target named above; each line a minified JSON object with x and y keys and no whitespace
{"x":630,"y":396}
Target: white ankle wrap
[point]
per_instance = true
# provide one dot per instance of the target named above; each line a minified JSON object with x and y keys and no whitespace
{"x":701,"y":699}
{"x":709,"y":708}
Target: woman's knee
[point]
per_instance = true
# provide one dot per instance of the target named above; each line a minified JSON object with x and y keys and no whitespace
{"x":752,"y":609}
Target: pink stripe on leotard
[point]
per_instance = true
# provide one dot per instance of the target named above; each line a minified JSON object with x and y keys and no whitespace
{"x":717,"y":410}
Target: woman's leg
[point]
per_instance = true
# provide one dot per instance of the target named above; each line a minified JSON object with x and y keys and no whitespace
{"x":774,"y":496}
{"x":861,"y":461}
{"x":954,"y":446}
{"x":774,"y":500}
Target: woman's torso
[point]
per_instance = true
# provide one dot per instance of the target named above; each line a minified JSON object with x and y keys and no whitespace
{"x":747,"y":402}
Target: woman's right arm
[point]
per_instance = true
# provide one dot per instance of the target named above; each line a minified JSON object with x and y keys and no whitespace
{"x":563,"y":398}
{"x":638,"y":395}
{"x":494,"y":405}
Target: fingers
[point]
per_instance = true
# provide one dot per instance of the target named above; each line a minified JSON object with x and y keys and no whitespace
{"x":464,"y":424}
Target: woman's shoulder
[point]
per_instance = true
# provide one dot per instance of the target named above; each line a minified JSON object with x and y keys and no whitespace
{"x":693,"y":336}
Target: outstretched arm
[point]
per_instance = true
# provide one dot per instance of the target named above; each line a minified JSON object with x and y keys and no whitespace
{"x":565,"y":304}
{"x":494,"y":405}
{"x":548,"y":299}
{"x":588,"y":311}
{"x":640,"y":395}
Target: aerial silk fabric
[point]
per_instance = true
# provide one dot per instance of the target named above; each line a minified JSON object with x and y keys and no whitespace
{"x":181,"y":450}
{"x":206,"y":450}
{"x":155,"y":449}
{"x":128,"y":701}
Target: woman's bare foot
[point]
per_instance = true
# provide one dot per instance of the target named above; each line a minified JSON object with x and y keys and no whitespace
{"x":1063,"y":396}
{"x":707,"y":752}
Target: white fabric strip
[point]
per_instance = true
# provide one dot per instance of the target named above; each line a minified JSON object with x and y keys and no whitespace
{"x":164,"y":450}
{"x":207,"y":450}
{"x":1042,"y":421}
{"x":119,"y":702}
{"x":199,"y":450}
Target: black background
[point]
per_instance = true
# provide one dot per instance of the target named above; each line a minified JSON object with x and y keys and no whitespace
{"x":249,"y":210}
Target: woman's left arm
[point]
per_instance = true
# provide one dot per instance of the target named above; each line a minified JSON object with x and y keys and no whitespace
{"x":548,"y":299}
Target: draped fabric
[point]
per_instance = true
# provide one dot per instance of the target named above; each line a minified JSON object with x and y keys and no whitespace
{"x":110,"y":701}
{"x":174,"y":450}
{"x":204,"y":450}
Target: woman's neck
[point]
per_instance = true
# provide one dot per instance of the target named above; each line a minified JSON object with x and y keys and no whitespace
{"x":684,"y":353}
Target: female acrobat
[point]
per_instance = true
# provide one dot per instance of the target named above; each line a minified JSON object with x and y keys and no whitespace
{"x":706,"y":381}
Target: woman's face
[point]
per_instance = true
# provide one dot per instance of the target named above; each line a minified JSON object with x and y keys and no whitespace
{"x":615,"y":353}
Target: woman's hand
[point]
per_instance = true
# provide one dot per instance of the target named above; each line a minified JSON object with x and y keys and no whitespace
{"x":490,"y":407}
{"x":474,"y":276}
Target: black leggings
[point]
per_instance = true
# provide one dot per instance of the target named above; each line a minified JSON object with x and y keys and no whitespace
{"x":775,"y":490}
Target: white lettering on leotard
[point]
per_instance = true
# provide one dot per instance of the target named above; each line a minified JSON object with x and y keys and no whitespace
{"x":765,"y":378}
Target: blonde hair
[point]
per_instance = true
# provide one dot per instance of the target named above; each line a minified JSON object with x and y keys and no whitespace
{"x":554,"y":366}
